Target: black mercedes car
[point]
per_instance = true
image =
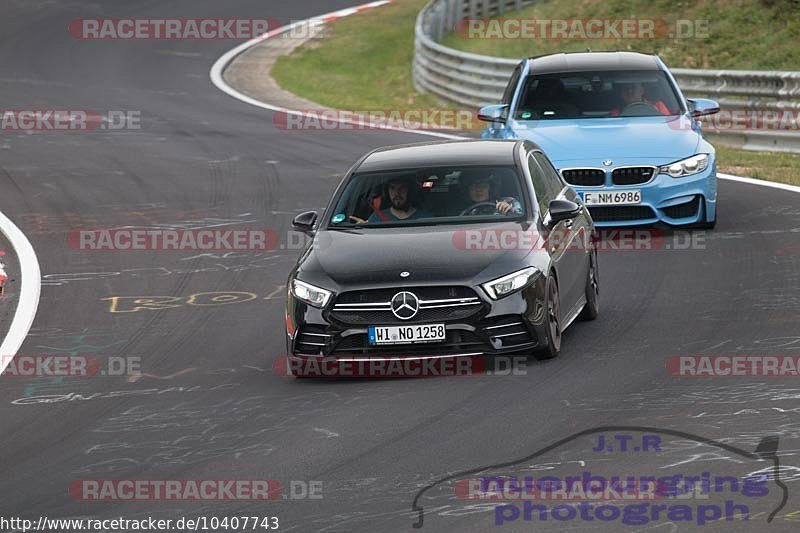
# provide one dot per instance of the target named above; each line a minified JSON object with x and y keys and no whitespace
{"x":443,"y":250}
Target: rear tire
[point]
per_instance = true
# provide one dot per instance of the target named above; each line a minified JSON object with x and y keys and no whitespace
{"x":552,"y":346}
{"x":592,"y":307}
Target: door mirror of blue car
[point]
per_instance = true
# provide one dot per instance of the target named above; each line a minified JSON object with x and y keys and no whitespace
{"x":563,"y":210}
{"x":492,"y":113}
{"x":304,"y":221}
{"x":703,"y":106}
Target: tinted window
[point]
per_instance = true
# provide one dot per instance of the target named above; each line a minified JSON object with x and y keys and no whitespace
{"x":599,"y":94}
{"x":508,"y":95}
{"x":543,"y":192}
{"x":552,"y":180}
{"x":452,"y":195}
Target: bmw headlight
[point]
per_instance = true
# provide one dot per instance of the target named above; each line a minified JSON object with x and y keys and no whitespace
{"x":310,"y":294}
{"x":513,"y":282}
{"x":686,"y":167}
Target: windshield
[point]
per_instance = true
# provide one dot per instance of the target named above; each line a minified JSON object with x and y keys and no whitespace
{"x":453,"y":195}
{"x":601,"y":94}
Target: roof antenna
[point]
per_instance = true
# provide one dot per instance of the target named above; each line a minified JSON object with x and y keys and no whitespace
{"x":588,"y":49}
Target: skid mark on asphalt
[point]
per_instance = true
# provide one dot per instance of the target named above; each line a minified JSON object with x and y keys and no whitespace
{"x":73,"y":345}
{"x":141,"y":218}
{"x":194,"y":432}
{"x":267,"y":262}
{"x":134,"y":304}
{"x":326,"y":432}
{"x":139,"y":375}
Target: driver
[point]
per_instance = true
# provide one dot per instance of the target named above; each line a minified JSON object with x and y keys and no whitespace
{"x":401,"y":206}
{"x":633,"y":93}
{"x":480,"y":189}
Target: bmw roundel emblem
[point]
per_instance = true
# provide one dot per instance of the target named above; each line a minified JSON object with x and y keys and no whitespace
{"x":608,"y":163}
{"x":405,"y":305}
{"x":405,"y":274}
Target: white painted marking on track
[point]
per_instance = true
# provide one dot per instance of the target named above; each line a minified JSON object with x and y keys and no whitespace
{"x":31,"y":281}
{"x":763,"y":183}
{"x":219,"y":67}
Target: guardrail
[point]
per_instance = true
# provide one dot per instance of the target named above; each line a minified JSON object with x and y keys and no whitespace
{"x":474,"y":80}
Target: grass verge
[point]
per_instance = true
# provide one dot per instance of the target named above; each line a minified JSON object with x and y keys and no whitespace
{"x":771,"y":166}
{"x":365,"y":63}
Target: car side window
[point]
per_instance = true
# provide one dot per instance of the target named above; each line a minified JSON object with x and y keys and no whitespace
{"x":508,"y":94}
{"x":553,"y":181}
{"x":543,"y":193}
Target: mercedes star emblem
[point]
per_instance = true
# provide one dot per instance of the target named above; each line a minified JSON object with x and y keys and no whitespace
{"x":405,"y":305}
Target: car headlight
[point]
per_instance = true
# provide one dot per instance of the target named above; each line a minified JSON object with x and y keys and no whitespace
{"x":513,"y":282}
{"x":310,"y":294}
{"x":686,"y":167}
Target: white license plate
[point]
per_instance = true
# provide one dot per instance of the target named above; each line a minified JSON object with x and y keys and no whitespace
{"x":626,"y":197}
{"x":406,"y":334}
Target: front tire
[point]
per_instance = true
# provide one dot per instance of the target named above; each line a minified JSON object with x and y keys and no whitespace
{"x":552,"y":346}
{"x":592,"y":306}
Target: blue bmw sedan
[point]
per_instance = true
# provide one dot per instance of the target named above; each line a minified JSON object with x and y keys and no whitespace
{"x":619,"y":130}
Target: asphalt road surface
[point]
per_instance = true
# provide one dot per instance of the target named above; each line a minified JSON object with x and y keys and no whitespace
{"x":206,"y":403}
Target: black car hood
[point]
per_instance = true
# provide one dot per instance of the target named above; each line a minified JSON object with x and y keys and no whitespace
{"x":432,"y":254}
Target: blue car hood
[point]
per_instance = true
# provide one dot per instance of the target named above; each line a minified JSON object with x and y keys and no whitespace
{"x":659,"y":140}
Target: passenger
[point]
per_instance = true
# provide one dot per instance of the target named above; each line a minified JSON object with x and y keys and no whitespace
{"x":402,"y":207}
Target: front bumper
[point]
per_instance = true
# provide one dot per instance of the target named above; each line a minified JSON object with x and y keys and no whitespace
{"x":512,"y":324}
{"x":674,"y":201}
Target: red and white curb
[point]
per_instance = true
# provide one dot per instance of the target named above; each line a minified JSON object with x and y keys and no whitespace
{"x":3,"y":275}
{"x":30,"y":288}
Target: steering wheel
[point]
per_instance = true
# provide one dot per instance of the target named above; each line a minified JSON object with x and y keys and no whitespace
{"x":481,"y":208}
{"x":638,"y":109}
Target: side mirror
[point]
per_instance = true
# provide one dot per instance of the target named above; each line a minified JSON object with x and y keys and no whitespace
{"x":701,"y":107}
{"x":562,"y":210}
{"x":492,"y":113}
{"x":304,"y":221}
